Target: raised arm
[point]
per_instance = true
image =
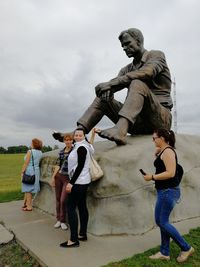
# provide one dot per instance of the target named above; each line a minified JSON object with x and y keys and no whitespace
{"x":92,"y":136}
{"x":154,"y":64}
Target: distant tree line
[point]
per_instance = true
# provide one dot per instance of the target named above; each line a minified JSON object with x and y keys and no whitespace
{"x":23,"y":149}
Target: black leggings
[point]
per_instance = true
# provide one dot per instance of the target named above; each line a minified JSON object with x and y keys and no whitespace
{"x":77,"y":198}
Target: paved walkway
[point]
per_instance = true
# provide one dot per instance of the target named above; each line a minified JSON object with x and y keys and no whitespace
{"x":5,"y":235}
{"x":34,"y":231}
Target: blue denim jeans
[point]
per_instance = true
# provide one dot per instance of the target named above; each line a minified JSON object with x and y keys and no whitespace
{"x":166,"y":200}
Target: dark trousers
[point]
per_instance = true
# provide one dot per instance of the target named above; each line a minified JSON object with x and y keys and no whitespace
{"x":77,"y":199}
{"x":61,"y":196}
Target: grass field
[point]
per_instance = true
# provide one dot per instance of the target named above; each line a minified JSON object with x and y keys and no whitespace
{"x":10,"y":180}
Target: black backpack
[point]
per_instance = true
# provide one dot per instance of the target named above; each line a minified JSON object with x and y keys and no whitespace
{"x":179,"y":172}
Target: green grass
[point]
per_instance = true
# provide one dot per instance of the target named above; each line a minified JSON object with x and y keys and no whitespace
{"x":142,"y":260}
{"x":12,"y":255}
{"x":10,"y":180}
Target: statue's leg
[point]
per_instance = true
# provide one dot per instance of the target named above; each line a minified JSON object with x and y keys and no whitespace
{"x":94,"y":114}
{"x":152,"y":116}
{"x":134,"y":102}
{"x":158,"y":115}
{"x":143,"y":109}
{"x":97,"y":110}
{"x":140,"y":114}
{"x":128,"y":114}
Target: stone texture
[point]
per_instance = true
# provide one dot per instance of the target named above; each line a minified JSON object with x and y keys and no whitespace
{"x":122,"y":202}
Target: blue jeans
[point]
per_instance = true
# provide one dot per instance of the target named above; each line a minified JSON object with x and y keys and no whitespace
{"x":166,"y":200}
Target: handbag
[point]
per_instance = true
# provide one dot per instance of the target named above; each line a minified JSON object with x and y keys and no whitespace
{"x":29,"y":179}
{"x":95,"y":170}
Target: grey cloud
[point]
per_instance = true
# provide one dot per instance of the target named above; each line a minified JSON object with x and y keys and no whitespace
{"x":53,"y":54}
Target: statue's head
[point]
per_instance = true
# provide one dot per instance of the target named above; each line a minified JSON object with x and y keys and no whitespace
{"x":132,"y":41}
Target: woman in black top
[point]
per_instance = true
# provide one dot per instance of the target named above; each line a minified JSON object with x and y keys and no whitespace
{"x":168,"y":193}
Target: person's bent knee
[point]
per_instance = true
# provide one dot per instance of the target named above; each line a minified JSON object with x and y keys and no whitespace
{"x":139,"y":87}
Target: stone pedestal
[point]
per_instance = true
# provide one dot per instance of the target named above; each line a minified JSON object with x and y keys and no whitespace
{"x":122,"y":202}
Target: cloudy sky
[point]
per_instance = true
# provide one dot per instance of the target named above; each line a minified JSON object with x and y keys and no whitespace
{"x":53,"y":53}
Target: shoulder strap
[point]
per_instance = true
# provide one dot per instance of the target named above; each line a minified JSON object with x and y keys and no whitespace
{"x":32,"y":158}
{"x":171,"y":149}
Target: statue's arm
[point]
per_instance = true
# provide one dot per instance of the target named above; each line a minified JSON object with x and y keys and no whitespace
{"x":152,"y":67}
{"x":113,"y":85}
{"x":155,"y":64}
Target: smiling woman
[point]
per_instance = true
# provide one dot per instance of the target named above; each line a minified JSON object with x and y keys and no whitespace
{"x":10,"y":181}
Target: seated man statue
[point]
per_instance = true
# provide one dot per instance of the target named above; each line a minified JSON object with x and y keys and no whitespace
{"x":148,"y":102}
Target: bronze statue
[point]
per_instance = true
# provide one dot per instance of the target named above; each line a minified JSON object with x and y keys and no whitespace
{"x":148,"y":102}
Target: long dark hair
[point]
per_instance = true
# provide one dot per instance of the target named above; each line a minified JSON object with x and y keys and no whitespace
{"x":168,"y":135}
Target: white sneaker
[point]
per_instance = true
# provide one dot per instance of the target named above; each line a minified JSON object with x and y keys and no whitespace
{"x":57,"y":225}
{"x":63,"y":226}
{"x":183,"y":256}
{"x":159,"y":256}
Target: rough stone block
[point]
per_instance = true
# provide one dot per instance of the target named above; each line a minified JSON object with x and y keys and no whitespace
{"x":122,"y":202}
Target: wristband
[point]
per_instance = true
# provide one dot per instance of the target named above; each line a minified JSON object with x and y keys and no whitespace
{"x":152,"y":178}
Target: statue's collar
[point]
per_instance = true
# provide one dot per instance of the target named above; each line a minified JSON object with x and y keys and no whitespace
{"x":144,"y":57}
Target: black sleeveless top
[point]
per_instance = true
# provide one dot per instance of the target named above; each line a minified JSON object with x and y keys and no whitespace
{"x":160,"y":167}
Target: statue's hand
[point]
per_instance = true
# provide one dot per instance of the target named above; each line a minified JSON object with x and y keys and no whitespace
{"x":106,"y":96}
{"x":101,"y":88}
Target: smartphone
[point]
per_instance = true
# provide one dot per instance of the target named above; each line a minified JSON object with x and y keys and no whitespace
{"x":142,"y":172}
